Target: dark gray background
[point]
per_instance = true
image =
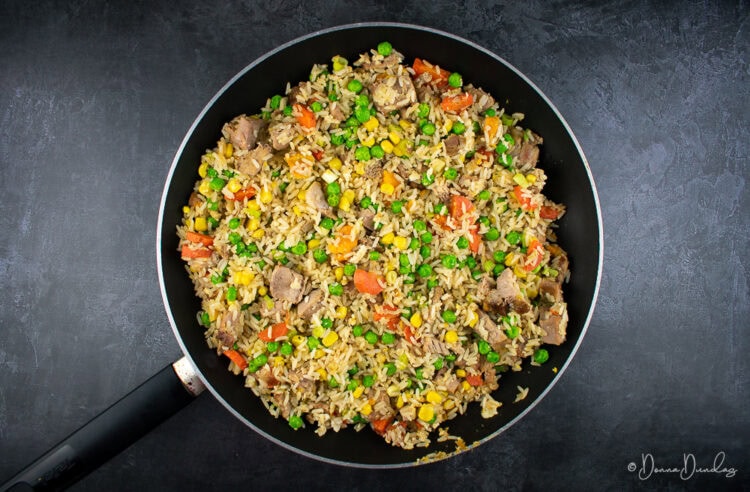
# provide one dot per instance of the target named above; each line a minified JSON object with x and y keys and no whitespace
{"x":95,"y":98}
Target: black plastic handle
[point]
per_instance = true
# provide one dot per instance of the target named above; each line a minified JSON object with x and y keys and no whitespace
{"x":105,"y":435}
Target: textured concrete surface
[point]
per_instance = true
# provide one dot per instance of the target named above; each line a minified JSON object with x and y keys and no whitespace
{"x":95,"y":98}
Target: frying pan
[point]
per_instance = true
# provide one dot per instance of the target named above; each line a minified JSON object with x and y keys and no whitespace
{"x":580,"y":233}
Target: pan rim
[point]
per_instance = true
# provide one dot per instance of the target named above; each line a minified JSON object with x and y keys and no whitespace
{"x":240,"y":74}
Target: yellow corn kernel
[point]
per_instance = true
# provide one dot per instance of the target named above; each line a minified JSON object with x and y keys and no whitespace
{"x":366,"y":409}
{"x":262,"y":290}
{"x":387,"y":189}
{"x":531,"y":291}
{"x":301,"y":195}
{"x":460,"y":373}
{"x":278,"y":361}
{"x":433,"y":397}
{"x":358,"y":392}
{"x":451,"y":336}
{"x":234,"y":185}
{"x":369,"y":141}
{"x":391,"y":277}
{"x":465,"y":385}
{"x":509,"y":259}
{"x":339,"y":63}
{"x":185,"y":209}
{"x":203,"y":170}
{"x":401,"y":149}
{"x":448,"y":125}
{"x":266,"y":196}
{"x":335,"y":163}
{"x":203,"y":188}
{"x":416,"y":319}
{"x":405,"y":124}
{"x":388,"y":238}
{"x":394,"y":137}
{"x":401,"y":242}
{"x":253,"y":224}
{"x":330,"y":339}
{"x":297,"y":211}
{"x":313,"y":243}
{"x":201,"y":224}
{"x":472,"y":318}
{"x":322,"y":372}
{"x":399,"y":401}
{"x":380,"y":357}
{"x":243,"y":277}
{"x":258,"y":234}
{"x":339,"y":273}
{"x":530,"y":178}
{"x":252,"y":205}
{"x":393,"y":391}
{"x":426,"y":413}
{"x":387,"y":146}
{"x":318,"y":331}
{"x":298,"y":340}
{"x":359,"y":168}
{"x":520,"y":272}
{"x":371,"y":124}
{"x":449,"y":404}
{"x":228,"y":151}
{"x":341,"y":312}
{"x":318,"y":354}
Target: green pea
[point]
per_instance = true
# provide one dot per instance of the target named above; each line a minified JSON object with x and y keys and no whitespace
{"x":424,"y":110}
{"x":371,"y":337}
{"x":455,"y":80}
{"x":365,"y":202}
{"x":428,"y":128}
{"x":332,"y":382}
{"x":275,"y":101}
{"x":388,"y":338}
{"x":352,"y":385}
{"x":513,"y":237}
{"x":272,"y":347}
{"x":374,"y":256}
{"x":541,"y":356}
{"x":338,"y":138}
{"x":440,"y":208}
{"x":484,"y":195}
{"x":286,"y":349}
{"x":300,"y":248}
{"x":326,"y":223}
{"x":211,"y":172}
{"x":205,"y":319}
{"x":217,"y":184}
{"x":216,"y":279}
{"x":418,"y":373}
{"x":368,"y":380}
{"x":425,"y":251}
{"x":449,"y":316}
{"x":349,"y":269}
{"x":295,"y":422}
{"x":424,"y":270}
{"x":377,"y":151}
{"x":316,"y":106}
{"x":312,"y":343}
{"x":414,"y":243}
{"x":320,"y":256}
{"x":458,"y":128}
{"x":419,"y":225}
{"x":477,"y":274}
{"x":432,"y":283}
{"x":483,"y":347}
{"x":335,"y":289}
{"x":213,"y":222}
{"x":404,"y":269}
{"x":493,"y":357}
{"x":484,"y":220}
{"x":333,"y":188}
{"x":512,"y":332}
{"x":390,"y":369}
{"x":259,"y":361}
{"x":357,"y":330}
{"x":385,"y":48}
{"x":333,"y":200}
{"x":362,"y":153}
{"x":426,"y":237}
{"x":490,"y":112}
{"x":332,"y":96}
{"x":450,"y":173}
{"x":362,"y":114}
{"x":462,"y":242}
{"x":492,"y":234}
{"x":362,"y":100}
{"x":354,"y":85}
{"x":397,"y":206}
{"x":403,"y":260}
{"x":498,"y":269}
{"x":438,"y":364}
{"x":427,"y":179}
{"x":409,"y":278}
{"x":287,"y":111}
{"x":449,"y":261}
{"x":232,"y":293}
{"x":326,"y":323}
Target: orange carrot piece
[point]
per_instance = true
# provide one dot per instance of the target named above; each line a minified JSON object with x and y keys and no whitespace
{"x":474,"y":379}
{"x":343,"y":243}
{"x":439,"y":76}
{"x":548,"y":212}
{"x":534,"y":255}
{"x":273,"y":332}
{"x":189,"y":253}
{"x":367,"y":282}
{"x":304,"y":116}
{"x":237,"y":358}
{"x":244,"y":193}
{"x":197,"y":237}
{"x":475,"y":240}
{"x":380,"y":425}
{"x":523,"y":199}
{"x":460,"y":206}
{"x":457,"y":103}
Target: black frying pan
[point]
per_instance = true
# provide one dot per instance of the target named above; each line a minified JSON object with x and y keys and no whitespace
{"x":580,"y":233}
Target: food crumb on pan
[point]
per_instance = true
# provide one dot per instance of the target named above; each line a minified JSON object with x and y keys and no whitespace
{"x":373,"y":248}
{"x":522,"y":393}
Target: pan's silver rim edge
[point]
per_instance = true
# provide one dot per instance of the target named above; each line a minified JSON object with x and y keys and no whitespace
{"x":241,"y":73}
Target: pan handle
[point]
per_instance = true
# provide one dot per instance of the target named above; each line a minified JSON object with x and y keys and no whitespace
{"x":112,"y":431}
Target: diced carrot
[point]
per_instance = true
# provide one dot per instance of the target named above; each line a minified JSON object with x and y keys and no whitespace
{"x":534,"y":255}
{"x":189,"y":253}
{"x":391,"y":315}
{"x":475,"y":240}
{"x":197,"y":237}
{"x":391,"y":179}
{"x":380,"y":425}
{"x":460,"y":206}
{"x":439,"y":76}
{"x":474,"y":379}
{"x":273,"y":332}
{"x":523,"y":199}
{"x":442,"y":221}
{"x":548,"y":212}
{"x":248,"y":192}
{"x":237,"y":358}
{"x":367,"y":282}
{"x":304,"y":116}
{"x":457,"y":103}
{"x":408,"y":334}
{"x":300,"y":165}
{"x":318,"y":154}
{"x":343,"y":243}
{"x":490,"y":127}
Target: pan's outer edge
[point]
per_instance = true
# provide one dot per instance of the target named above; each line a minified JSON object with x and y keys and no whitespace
{"x":249,"y":67}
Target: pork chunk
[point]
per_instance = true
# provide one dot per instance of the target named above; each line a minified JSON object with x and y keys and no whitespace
{"x":553,"y":324}
{"x":506,"y":295}
{"x":390,"y":92}
{"x":242,"y":132}
{"x":287,"y":285}
{"x":310,"y":305}
{"x":252,"y":162}
{"x":490,"y":332}
{"x":281,"y":135}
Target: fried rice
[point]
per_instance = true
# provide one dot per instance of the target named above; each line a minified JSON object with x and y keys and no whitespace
{"x":373,"y":248}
